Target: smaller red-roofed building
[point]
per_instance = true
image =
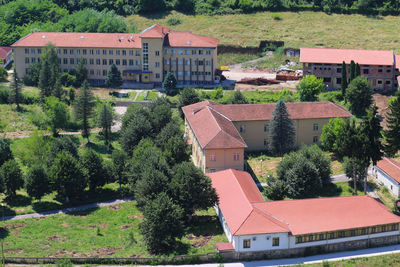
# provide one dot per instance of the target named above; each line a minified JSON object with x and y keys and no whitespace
{"x":5,"y":56}
{"x":378,"y":66}
{"x":387,"y":172}
{"x":252,"y":224}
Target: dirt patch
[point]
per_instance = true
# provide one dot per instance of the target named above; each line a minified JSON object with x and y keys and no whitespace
{"x":199,"y":241}
{"x":16,"y":233}
{"x":114,"y":207}
{"x":126,"y":226}
{"x":382,"y":102}
{"x":65,"y":253}
{"x":101,"y":252}
{"x":39,"y":218}
{"x":136,"y":217}
{"x":55,"y":237}
{"x":14,"y":226}
{"x":103,"y":225}
{"x":13,"y":251}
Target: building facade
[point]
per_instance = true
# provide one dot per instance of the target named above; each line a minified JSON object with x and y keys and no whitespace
{"x":380,"y":67}
{"x":142,"y":58}
{"x":252,"y":224}
{"x":220,"y":134}
{"x":387,"y":172}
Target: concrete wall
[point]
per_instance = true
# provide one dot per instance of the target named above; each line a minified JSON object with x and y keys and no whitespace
{"x":386,"y":180}
{"x":224,"y":159}
{"x":261,"y":242}
{"x":198,"y":154}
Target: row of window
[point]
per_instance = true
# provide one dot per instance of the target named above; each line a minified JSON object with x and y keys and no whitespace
{"x":188,"y":73}
{"x":242,"y":128}
{"x":213,"y":156}
{"x":187,"y":62}
{"x":247,"y":242}
{"x":187,"y":52}
{"x":90,"y":52}
{"x":339,"y":81}
{"x":348,"y":233}
{"x":92,"y":61}
{"x":315,"y":140}
{"x":364,"y":71}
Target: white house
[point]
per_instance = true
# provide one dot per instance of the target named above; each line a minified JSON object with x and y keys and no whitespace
{"x":253,"y":224}
{"x":387,"y":171}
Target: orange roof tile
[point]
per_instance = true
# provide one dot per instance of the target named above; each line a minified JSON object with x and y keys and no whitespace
{"x":4,"y":50}
{"x":337,"y":56}
{"x":390,"y":167}
{"x":224,"y":246}
{"x":188,"y":39}
{"x":154,"y":31}
{"x":85,"y":39}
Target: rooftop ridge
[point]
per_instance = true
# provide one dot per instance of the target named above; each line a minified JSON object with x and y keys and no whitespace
{"x":216,"y":122}
{"x":348,"y":49}
{"x":391,"y":162}
{"x":269,"y":214}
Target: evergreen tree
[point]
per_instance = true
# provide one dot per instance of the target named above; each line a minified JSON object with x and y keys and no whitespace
{"x":37,"y":182}
{"x":358,"y":70}
{"x":344,"y":80}
{"x":187,"y":96}
{"x":48,"y":71}
{"x":114,"y":78}
{"x":44,"y":79}
{"x":170,"y":83}
{"x":119,"y":165}
{"x":359,"y":95}
{"x":63,"y":143}
{"x":83,"y":108}
{"x":105,"y":121}
{"x":81,"y":72}
{"x":11,"y":177}
{"x":58,"y":90}
{"x":392,"y":133}
{"x":352,"y":70}
{"x":71,"y":95}
{"x":5,"y":151}
{"x":93,"y":169}
{"x":238,"y":98}
{"x":281,"y":130}
{"x":15,"y":88}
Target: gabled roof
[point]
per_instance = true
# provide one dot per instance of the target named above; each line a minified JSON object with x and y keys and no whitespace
{"x":4,"y":50}
{"x":188,"y":39}
{"x":84,"y":39}
{"x":154,"y":31}
{"x":246,"y":212}
{"x":390,"y":167}
{"x":337,"y":56}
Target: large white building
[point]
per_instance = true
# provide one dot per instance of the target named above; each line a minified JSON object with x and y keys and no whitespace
{"x":252,"y":224}
{"x":387,"y":171}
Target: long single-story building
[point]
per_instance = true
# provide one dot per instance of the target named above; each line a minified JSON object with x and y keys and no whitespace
{"x":219,"y":134}
{"x":387,"y":171}
{"x":252,"y":224}
{"x":380,"y":67}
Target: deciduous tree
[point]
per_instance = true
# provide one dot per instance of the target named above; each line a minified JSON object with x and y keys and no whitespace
{"x":37,"y":182}
{"x":187,"y":96}
{"x":119,"y":166}
{"x":310,"y":87}
{"x":330,"y":133}
{"x":359,"y":95}
{"x":57,"y":114}
{"x":238,"y":98}
{"x":11,"y":177}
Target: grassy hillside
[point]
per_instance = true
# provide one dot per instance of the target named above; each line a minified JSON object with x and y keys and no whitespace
{"x":299,"y":29}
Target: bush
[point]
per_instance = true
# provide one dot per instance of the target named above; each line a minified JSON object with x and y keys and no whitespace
{"x":173,"y":21}
{"x":276,"y":16}
{"x":4,"y":95}
{"x":3,"y":74}
{"x":37,"y":117}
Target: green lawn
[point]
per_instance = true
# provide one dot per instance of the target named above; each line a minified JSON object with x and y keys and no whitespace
{"x":147,"y":96}
{"x":296,"y":29}
{"x":20,"y":122}
{"x":377,"y":261}
{"x":103,"y":232}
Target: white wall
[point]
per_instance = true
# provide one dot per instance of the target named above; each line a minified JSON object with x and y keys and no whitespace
{"x":261,"y":242}
{"x":387,"y":181}
{"x":222,"y":220}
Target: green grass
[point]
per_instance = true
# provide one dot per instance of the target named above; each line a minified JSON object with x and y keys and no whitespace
{"x":226,"y":59}
{"x":275,"y":61}
{"x":384,"y":194}
{"x":296,"y":29}
{"x":147,"y":96}
{"x":376,"y":261}
{"x":77,"y":235}
{"x":19,"y":121}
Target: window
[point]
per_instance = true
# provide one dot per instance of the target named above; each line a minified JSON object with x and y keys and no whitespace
{"x":166,"y":51}
{"x":338,"y":80}
{"x":187,"y":73}
{"x":265,"y":142}
{"x":130,"y":62}
{"x":39,"y":51}
{"x":157,"y":53}
{"x":84,"y":51}
{"x":173,"y":62}
{"x":213,"y":157}
{"x":187,"y":52}
{"x":33,"y":60}
{"x":131,"y":52}
{"x":145,"y":47}
{"x":380,"y":70}
{"x":266,"y":127}
{"x":26,"y":50}
{"x":124,"y":52}
{"x":104,"y":72}
{"x":242,"y":128}
{"x":110,"y":62}
{"x":180,"y":62}
{"x":137,"y":62}
{"x":208,"y":52}
{"x":58,"y":52}
{"x":388,"y":70}
{"x":365,"y":71}
{"x":124,"y":62}
{"x":118,"y":52}
{"x":104,"y":61}
{"x":157,"y":75}
{"x":32,"y":51}
{"x":137,"y":53}
{"x":117,"y":62}
{"x":327,"y":79}
{"x":373,"y":230}
{"x":104,"y":52}
{"x":98,"y":61}
{"x":157,"y":64}
{"x":339,"y":70}
{"x":235,"y":156}
{"x":213,"y":170}
{"x":91,"y":61}
{"x":65,"y":61}
{"x":65,"y":51}
{"x":78,"y":51}
{"x":315,"y":126}
{"x":166,"y":61}
{"x":321,"y":236}
{"x":180,"y":52}
{"x":275,"y":241}
{"x":352,"y":232}
{"x":299,"y":239}
{"x":200,"y":52}
{"x":91,"y":72}
{"x":394,"y":227}
{"x":363,"y":231}
{"x":188,"y":62}
{"x":91,"y":51}
{"x":315,"y":139}
{"x":97,"y":52}
{"x":193,"y":52}
{"x":71,"y":61}
{"x":201,"y":63}
{"x":383,"y":228}
{"x":331,"y":235}
{"x":379,"y":81}
{"x":388,"y":82}
{"x":208,"y":62}
{"x":180,"y":73}
{"x":246,"y":243}
{"x":110,"y":52}
{"x":341,"y":234}
{"x":27,"y":60}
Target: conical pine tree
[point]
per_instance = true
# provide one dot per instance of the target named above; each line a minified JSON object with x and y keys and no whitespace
{"x":392,"y":134}
{"x":15,"y":87}
{"x":83,"y":108}
{"x":344,"y":80}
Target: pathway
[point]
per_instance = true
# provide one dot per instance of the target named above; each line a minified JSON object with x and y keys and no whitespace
{"x":68,"y":210}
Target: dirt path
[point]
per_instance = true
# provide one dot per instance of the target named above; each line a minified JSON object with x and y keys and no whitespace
{"x":243,"y":64}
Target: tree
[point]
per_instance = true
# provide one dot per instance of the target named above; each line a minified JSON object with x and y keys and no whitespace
{"x":149,"y":6}
{"x":15,"y":87}
{"x":67,"y":176}
{"x":281,"y":130}
{"x":358,"y":70}
{"x":48,"y":70}
{"x":392,"y":133}
{"x":176,"y":150}
{"x":168,"y":131}
{"x":320,"y":160}
{"x":330,"y":133}
{"x":137,"y":127}
{"x":160,"y":116}
{"x":63,"y":143}
{"x":359,"y":173}
{"x":81,"y":72}
{"x":119,"y":165}
{"x":359,"y":95}
{"x":32,"y":77}
{"x":11,"y":177}
{"x":169,"y":84}
{"x":344,"y":80}
{"x":58,"y":90}
{"x":105,"y":121}
{"x":187,"y":96}
{"x":37,"y":182}
{"x":44,"y":79}
{"x":310,"y":87}
{"x":71,"y":95}
{"x":352,"y":70}
{"x":92,"y":165}
{"x":114,"y":78}
{"x":5,"y":151}
{"x":276,"y":189}
{"x":57,"y":113}
{"x":191,"y":189}
{"x":83,"y":108}
{"x":162,"y":224}
{"x":238,"y":98}
{"x":3,"y":73}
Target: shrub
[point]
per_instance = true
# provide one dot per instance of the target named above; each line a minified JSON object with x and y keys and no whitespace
{"x":173,"y":21}
{"x":276,"y":16}
{"x":4,"y":95}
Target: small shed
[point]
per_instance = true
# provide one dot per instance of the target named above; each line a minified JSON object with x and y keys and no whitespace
{"x":292,"y":52}
{"x":387,"y":172}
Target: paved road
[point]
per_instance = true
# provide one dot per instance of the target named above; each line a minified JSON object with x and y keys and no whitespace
{"x":68,"y":210}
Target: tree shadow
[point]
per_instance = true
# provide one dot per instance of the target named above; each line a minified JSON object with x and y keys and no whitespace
{"x":158,"y":15}
{"x":251,"y":172}
{"x":45,"y":206}
{"x":181,"y":248}
{"x":82,"y":213}
{"x":18,"y":201}
{"x":4,"y":233}
{"x":329,"y":190}
{"x":205,"y":225}
{"x":6,"y":211}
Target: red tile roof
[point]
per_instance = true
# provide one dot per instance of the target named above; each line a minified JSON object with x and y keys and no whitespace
{"x":4,"y":50}
{"x":74,"y":39}
{"x":390,"y":167}
{"x":188,"y":39}
{"x":212,"y":122}
{"x":224,"y":246}
{"x":397,"y":62}
{"x":247,"y":213}
{"x":337,"y":56}
{"x":155,"y":31}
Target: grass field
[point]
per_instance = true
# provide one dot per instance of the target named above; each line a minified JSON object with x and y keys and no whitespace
{"x":377,"y":261}
{"x":296,"y":29}
{"x":103,"y":232}
{"x":147,"y":96}
{"x":226,"y":59}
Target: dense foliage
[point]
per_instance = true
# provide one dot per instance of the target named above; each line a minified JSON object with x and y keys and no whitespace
{"x":310,"y":87}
